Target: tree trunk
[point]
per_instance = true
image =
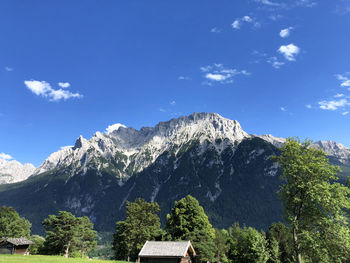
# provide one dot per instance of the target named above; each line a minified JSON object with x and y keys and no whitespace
{"x":296,"y":245}
{"x":66,"y":252}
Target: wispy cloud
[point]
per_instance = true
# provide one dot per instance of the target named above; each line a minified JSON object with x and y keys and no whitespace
{"x":269,"y":3}
{"x":173,"y":103}
{"x":275,"y":62}
{"x":289,"y":51}
{"x":345,"y":113}
{"x":5,"y":156}
{"x":8,"y":69}
{"x":220,"y":74}
{"x":284,"y":33}
{"x":287,"y":4}
{"x":237,"y":24}
{"x":183,"y":78}
{"x":216,"y":30}
{"x":344,"y":79}
{"x":283,"y":109}
{"x":308,"y":106}
{"x":333,"y":104}
{"x":114,"y":127}
{"x":44,"y":89}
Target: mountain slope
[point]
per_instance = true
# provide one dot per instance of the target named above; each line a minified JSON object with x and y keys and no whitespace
{"x":229,"y":171}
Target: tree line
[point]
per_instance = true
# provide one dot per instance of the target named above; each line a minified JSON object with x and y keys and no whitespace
{"x":66,"y":234}
{"x":316,"y":227}
{"x":316,"y":212}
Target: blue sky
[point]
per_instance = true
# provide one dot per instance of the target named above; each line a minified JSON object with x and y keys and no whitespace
{"x":75,"y":67}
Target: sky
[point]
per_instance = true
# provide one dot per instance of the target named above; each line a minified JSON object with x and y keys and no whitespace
{"x":70,"y":68}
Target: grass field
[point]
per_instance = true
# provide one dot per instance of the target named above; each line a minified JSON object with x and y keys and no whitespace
{"x":49,"y":259}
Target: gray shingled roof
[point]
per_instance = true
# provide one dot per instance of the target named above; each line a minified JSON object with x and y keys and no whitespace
{"x":165,"y":249}
{"x":17,"y":241}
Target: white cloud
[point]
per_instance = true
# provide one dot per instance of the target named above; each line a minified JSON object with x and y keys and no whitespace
{"x":8,"y":69}
{"x":346,"y":83}
{"x":287,"y":4}
{"x":345,"y":113}
{"x":245,"y":19}
{"x":344,"y":80}
{"x":218,"y":73}
{"x":5,"y":156}
{"x":236,"y":24}
{"x":215,"y":30}
{"x":173,"y":103}
{"x":333,"y":104}
{"x":64,"y":84}
{"x":217,"y":77}
{"x":114,"y":127}
{"x":66,"y":147}
{"x":283,"y":109}
{"x":289,"y":51}
{"x":285,"y":32}
{"x":339,"y":95}
{"x":44,"y":89}
{"x":275,"y":63}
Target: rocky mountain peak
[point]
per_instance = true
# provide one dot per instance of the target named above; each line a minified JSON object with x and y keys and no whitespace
{"x":13,"y":171}
{"x":334,"y":149}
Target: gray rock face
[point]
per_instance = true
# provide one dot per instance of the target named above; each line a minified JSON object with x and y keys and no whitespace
{"x":13,"y":171}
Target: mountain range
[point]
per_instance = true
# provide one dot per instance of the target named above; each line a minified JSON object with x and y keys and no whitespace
{"x":210,"y":157}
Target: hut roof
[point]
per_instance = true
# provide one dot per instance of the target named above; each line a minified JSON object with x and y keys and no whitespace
{"x":166,"y":249}
{"x":16,"y":241}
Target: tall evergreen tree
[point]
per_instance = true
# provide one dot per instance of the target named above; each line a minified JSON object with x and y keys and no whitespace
{"x":188,"y":221}
{"x":314,"y":203}
{"x":86,"y":240}
{"x":12,"y":225}
{"x":141,"y":224}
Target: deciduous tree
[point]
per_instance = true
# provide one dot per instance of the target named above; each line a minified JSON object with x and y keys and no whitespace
{"x":12,"y":225}
{"x":141,"y":224}
{"x":188,"y":221}
{"x":314,"y":203}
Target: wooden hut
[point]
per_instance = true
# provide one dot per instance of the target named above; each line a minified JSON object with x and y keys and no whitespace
{"x":167,"y":252}
{"x":18,"y":246}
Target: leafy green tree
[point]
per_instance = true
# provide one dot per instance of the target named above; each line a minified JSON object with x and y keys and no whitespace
{"x":141,"y":224}
{"x":220,"y":240}
{"x":280,"y":233}
{"x":12,"y":225}
{"x":86,"y":239}
{"x":188,"y":221}
{"x":37,"y":247}
{"x":314,"y":203}
{"x":247,"y":245}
